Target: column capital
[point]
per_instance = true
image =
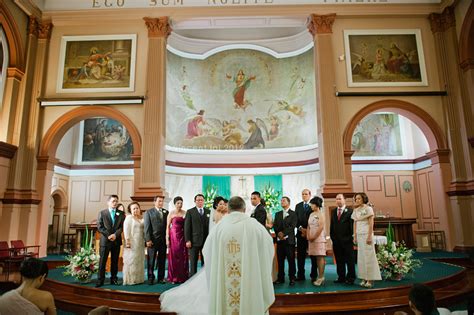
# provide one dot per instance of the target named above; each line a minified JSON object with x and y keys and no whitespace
{"x":158,"y":27}
{"x":440,"y":22}
{"x":33,"y":26}
{"x":439,"y":156}
{"x":44,"y":30}
{"x":321,"y":24}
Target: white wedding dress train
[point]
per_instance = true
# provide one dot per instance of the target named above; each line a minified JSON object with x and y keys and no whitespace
{"x":191,"y":297}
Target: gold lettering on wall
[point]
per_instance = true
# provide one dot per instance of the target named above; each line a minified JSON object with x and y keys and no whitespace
{"x":163,"y":3}
{"x":108,"y":3}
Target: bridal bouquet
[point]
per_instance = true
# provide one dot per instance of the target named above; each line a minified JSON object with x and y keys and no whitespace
{"x":396,"y":261}
{"x":84,"y":263}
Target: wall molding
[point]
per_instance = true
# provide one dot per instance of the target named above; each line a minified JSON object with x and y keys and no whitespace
{"x":7,"y":150}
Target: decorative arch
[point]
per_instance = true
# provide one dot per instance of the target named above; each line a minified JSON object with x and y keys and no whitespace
{"x":466,"y":42}
{"x":59,"y":195}
{"x":422,"y":119}
{"x":59,"y":128}
{"x":12,"y":32}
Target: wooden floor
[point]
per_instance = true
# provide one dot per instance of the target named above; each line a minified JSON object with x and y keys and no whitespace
{"x":448,"y":291}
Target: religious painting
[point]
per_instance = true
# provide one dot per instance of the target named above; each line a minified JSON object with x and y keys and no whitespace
{"x":384,"y":58}
{"x":241,"y":99}
{"x":103,"y":63}
{"x":104,"y":140}
{"x":378,"y":135}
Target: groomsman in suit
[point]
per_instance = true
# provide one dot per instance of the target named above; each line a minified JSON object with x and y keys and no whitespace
{"x":110,"y":226}
{"x":259,"y":213}
{"x":154,"y":225}
{"x":342,"y":241}
{"x":303,"y":210}
{"x":196,"y":229}
{"x":284,"y":226}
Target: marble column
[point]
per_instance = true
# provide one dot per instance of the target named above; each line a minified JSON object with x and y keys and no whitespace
{"x":21,"y":197}
{"x":334,"y":177}
{"x":152,"y":174}
{"x":458,"y":113}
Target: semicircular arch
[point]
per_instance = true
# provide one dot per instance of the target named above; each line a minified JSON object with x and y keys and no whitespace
{"x":59,"y":128}
{"x":421,"y":118}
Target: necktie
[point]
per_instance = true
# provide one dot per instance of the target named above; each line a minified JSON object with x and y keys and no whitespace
{"x":200,"y":211}
{"x":112,"y":213}
{"x":339,"y":213}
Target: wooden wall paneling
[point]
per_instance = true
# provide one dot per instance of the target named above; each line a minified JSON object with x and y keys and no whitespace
{"x":127,"y":190}
{"x":424,"y":196}
{"x":358,"y":182}
{"x":427,"y":226}
{"x":63,"y":183}
{"x":77,"y":201}
{"x":111,"y":187}
{"x":390,"y":185}
{"x":373,"y":182}
{"x":407,"y":198}
{"x":95,"y":190}
{"x":434,"y":208}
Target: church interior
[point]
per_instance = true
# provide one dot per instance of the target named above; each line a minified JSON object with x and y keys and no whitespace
{"x":145,"y":98}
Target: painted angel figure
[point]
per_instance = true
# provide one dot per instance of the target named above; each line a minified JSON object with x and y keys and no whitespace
{"x":242,"y":82}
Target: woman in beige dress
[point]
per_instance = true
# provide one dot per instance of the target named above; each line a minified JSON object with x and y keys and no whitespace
{"x":316,"y":240}
{"x":367,"y":264}
{"x":134,"y":250}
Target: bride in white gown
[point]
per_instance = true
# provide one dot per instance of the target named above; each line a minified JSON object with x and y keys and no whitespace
{"x":192,"y":297}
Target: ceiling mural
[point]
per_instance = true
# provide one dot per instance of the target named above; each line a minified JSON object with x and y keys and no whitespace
{"x":241,"y":99}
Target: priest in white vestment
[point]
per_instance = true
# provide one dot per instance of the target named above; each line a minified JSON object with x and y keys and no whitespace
{"x":239,"y":271}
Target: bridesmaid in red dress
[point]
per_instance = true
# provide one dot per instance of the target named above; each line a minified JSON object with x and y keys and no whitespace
{"x":178,"y":265}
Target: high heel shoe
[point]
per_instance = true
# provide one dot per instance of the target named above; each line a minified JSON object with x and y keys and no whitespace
{"x":363,"y":283}
{"x":319,"y":282}
{"x":369,"y":284}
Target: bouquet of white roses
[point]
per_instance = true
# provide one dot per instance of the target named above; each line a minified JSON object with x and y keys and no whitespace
{"x":84,"y":263}
{"x":396,"y":261}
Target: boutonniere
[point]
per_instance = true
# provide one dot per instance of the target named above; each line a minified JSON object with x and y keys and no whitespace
{"x":117,"y":214}
{"x":345,"y":210}
{"x":208,"y":215}
{"x":165,"y":211}
{"x":363,"y":212}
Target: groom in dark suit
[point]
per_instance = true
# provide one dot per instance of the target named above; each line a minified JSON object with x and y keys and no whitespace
{"x":196,"y":229}
{"x":154,"y":225}
{"x":110,"y":226}
{"x":342,"y":241}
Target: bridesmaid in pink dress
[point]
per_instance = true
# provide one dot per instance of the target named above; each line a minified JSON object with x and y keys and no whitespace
{"x":178,"y":265}
{"x":316,"y":240}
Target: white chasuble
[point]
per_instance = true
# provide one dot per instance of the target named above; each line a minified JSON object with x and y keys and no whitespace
{"x":239,"y":267}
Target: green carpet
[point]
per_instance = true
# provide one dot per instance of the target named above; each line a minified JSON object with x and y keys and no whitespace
{"x":430,"y":270}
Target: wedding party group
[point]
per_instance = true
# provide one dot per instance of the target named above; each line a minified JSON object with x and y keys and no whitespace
{"x":179,"y":236}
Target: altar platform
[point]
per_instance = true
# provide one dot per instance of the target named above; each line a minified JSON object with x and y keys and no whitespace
{"x":452,"y":284}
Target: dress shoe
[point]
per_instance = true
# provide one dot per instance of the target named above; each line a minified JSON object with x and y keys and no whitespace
{"x":162,"y":281}
{"x":279,"y":282}
{"x":99,"y":284}
{"x":151,"y":281}
{"x":340,"y":281}
{"x":300,"y":279}
{"x":292,"y":282}
{"x":114,"y":282}
{"x":350,"y":281}
{"x":369,"y":284}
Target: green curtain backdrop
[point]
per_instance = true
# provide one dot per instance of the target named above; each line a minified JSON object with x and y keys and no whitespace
{"x":271,"y":189}
{"x":220,"y":183}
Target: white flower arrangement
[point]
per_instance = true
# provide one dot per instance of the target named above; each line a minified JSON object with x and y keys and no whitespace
{"x":84,"y":263}
{"x":396,"y":261}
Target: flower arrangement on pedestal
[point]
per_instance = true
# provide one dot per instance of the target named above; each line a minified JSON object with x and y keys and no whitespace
{"x":395,"y":259}
{"x":272,"y":199}
{"x":84,"y":263}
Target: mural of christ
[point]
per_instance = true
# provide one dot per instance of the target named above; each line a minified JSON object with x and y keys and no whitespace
{"x":242,"y":82}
